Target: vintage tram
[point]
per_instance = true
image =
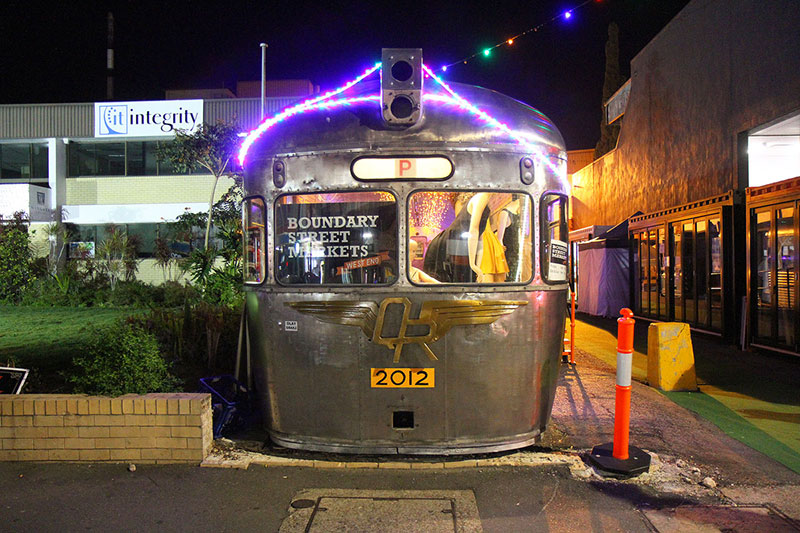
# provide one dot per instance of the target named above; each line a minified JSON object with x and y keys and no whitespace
{"x":405,"y":271}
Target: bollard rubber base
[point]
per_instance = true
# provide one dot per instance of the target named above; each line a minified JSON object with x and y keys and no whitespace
{"x":638,"y":461}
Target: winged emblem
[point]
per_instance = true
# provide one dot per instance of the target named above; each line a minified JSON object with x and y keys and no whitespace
{"x":438,"y":315}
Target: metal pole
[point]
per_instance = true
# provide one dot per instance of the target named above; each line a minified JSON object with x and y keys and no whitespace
{"x":110,"y":58}
{"x":263,"y":79}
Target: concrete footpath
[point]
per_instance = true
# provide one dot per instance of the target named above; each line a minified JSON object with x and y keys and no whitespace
{"x":701,"y":479}
{"x":751,"y":396}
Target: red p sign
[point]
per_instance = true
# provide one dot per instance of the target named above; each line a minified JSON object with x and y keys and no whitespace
{"x":405,"y":168}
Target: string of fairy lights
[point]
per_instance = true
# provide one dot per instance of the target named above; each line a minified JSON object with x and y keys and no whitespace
{"x":486,"y":52}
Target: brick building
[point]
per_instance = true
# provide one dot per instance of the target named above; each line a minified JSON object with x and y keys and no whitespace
{"x":710,"y":121}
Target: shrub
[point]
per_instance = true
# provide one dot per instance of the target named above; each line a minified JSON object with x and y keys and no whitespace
{"x":16,"y":272}
{"x":122,"y":359}
{"x":176,"y":294}
{"x":134,"y":294}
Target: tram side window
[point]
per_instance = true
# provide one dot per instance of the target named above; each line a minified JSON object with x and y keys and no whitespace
{"x":554,"y":236}
{"x":254,"y":240}
{"x":469,"y":237}
{"x":340,"y":238}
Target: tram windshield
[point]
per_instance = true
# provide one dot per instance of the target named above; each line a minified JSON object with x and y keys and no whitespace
{"x":469,"y":237}
{"x":338,"y":238}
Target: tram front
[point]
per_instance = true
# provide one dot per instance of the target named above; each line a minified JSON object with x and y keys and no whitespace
{"x":405,"y":273}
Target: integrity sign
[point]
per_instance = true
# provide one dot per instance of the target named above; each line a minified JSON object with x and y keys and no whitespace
{"x":159,"y":118}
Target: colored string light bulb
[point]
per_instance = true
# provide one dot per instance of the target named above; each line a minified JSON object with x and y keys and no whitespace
{"x":568,"y":15}
{"x":510,"y":41}
{"x":487,"y":51}
{"x":324,"y":102}
{"x":299,"y":108}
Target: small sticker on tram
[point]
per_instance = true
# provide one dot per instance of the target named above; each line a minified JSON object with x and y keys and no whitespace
{"x":290,"y":325}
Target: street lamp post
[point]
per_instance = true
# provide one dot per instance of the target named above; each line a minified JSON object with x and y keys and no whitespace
{"x":263,"y":79}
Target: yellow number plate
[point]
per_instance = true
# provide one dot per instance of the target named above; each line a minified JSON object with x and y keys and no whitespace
{"x":402,"y":378}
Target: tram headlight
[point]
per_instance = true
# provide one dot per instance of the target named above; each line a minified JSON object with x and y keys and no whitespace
{"x":401,"y":85}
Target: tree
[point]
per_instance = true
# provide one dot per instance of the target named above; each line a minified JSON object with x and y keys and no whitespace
{"x":611,"y":82}
{"x":212,"y":147}
{"x":16,"y":257}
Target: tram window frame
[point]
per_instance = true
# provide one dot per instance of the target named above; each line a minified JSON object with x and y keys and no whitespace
{"x":396,"y":250}
{"x":544,"y":234}
{"x":262,"y":252}
{"x":530,"y":243}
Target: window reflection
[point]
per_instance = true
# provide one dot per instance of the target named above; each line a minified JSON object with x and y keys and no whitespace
{"x":254,"y":230}
{"x":469,"y":237}
{"x":336,"y":238}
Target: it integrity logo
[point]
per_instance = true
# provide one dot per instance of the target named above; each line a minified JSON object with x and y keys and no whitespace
{"x":113,"y":119}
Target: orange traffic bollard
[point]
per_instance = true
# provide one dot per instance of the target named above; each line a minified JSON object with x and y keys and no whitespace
{"x":619,"y":457}
{"x":622,"y":404}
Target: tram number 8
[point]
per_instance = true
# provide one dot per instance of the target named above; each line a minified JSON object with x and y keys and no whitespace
{"x":402,"y":378}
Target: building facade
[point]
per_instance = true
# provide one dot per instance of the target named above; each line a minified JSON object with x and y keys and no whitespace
{"x":94,"y":164}
{"x":712,"y":111}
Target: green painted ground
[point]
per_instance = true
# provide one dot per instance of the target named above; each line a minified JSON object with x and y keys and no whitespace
{"x":736,"y":426}
{"x":752,"y":397}
{"x":45,"y":339}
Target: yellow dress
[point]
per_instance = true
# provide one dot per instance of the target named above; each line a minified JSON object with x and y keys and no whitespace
{"x":494,"y":255}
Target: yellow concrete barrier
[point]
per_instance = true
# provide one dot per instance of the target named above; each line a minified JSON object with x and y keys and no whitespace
{"x":670,"y":358}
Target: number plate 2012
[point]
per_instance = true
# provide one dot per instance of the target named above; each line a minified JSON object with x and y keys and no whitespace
{"x":402,"y":378}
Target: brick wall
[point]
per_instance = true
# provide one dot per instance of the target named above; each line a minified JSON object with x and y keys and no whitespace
{"x":143,"y":189}
{"x":153,"y":428}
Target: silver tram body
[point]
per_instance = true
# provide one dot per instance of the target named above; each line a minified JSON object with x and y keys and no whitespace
{"x":323,"y":325}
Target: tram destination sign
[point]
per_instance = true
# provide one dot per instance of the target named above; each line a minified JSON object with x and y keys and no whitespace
{"x":385,"y":168}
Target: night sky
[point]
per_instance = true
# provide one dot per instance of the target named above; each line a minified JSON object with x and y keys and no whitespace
{"x":56,"y":51}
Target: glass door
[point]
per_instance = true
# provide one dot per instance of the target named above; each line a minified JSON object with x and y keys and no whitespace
{"x":715,"y":271}
{"x":774,"y":275}
{"x":785,"y":275}
{"x":763,"y":262}
{"x":676,"y":253}
{"x":663,"y":259}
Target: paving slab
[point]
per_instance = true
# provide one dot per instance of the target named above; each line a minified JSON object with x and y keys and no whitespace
{"x":389,"y":511}
{"x":714,"y":519}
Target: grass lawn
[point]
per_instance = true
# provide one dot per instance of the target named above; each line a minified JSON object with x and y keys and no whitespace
{"x":45,"y":339}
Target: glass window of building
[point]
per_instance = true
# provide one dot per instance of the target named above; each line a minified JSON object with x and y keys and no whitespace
{"x":469,"y":237}
{"x":142,"y":237}
{"x":16,"y":161}
{"x":254,"y":240}
{"x":110,"y":159}
{"x":554,"y":237}
{"x":40,"y":163}
{"x":96,"y":159}
{"x":133,"y":158}
{"x":86,"y":239}
{"x":141,"y":158}
{"x":344,"y":238}
{"x":24,"y":163}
